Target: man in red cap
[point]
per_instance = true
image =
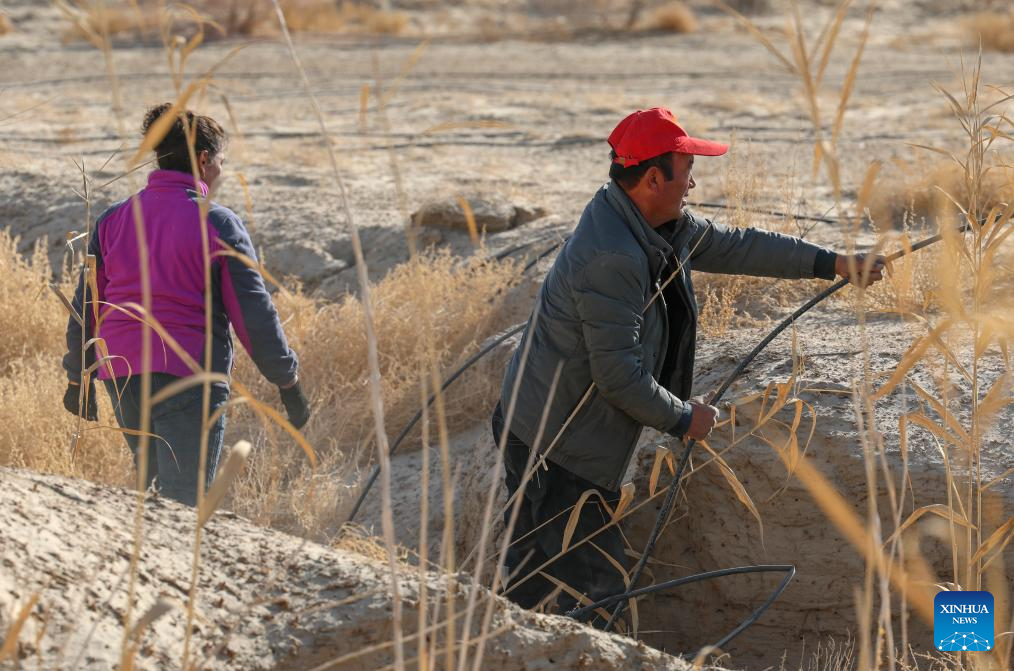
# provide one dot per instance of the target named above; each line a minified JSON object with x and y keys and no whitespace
{"x":613,"y":333}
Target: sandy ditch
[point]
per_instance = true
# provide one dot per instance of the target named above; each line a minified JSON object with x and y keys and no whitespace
{"x":713,"y":530}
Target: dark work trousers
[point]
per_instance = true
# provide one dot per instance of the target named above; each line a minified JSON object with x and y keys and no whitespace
{"x":173,"y":457}
{"x":549,"y":498}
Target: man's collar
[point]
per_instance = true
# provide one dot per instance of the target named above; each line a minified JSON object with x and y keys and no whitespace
{"x":625,"y":207}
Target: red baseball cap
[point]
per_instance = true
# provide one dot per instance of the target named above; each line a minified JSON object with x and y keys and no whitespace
{"x":649,"y":133}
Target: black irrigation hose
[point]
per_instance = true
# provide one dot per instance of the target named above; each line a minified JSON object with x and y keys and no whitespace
{"x":663,"y":514}
{"x":788,"y":569}
{"x":499,"y":340}
{"x":517,"y":328}
{"x":549,"y":250}
{"x":773,"y":213}
{"x":666,"y":509}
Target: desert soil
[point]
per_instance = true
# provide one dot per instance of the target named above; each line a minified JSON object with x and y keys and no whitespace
{"x":531,"y":117}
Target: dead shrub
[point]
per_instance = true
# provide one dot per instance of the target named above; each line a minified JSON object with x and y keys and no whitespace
{"x":674,"y":17}
{"x":33,"y":317}
{"x":737,"y":301}
{"x":461,"y":310}
{"x":995,"y":30}
{"x":36,"y":429}
{"x":86,"y":20}
{"x":232,"y":18}
{"x":925,"y":186}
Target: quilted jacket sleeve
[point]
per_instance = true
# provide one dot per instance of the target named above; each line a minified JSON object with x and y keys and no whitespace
{"x":716,"y":248}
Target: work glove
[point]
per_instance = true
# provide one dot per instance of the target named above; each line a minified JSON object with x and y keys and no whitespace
{"x":296,"y":405}
{"x":70,"y":401}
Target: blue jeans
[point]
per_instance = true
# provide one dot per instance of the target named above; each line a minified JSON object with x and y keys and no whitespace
{"x":173,"y":457}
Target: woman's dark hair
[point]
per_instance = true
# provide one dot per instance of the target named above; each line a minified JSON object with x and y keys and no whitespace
{"x":629,"y":177}
{"x":172,"y":150}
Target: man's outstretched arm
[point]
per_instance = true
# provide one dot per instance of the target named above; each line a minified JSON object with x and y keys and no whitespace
{"x":717,"y":248}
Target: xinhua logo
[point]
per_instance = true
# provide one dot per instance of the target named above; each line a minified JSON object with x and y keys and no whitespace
{"x":963,"y":621}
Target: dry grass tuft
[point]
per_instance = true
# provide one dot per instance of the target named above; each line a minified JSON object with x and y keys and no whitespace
{"x":277,"y":488}
{"x":995,"y":30}
{"x":738,"y":301}
{"x":354,"y":538}
{"x":36,"y":429}
{"x":674,"y":17}
{"x":88,"y":19}
{"x":231,"y":18}
{"x":31,"y":313}
{"x":921,"y":188}
{"x":325,"y":16}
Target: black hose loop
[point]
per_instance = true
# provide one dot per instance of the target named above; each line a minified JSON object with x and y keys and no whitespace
{"x":789,"y":570}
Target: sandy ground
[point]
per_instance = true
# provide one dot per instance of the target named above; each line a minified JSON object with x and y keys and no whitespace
{"x":265,"y":601}
{"x":536,"y":115}
{"x":555,"y":102}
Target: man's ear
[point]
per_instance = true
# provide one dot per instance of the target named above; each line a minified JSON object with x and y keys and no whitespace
{"x":654,"y":178}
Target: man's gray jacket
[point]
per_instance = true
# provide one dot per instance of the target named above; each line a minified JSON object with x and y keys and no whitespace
{"x":593,"y":320}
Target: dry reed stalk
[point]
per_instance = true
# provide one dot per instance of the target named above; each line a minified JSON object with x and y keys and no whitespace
{"x":9,"y":649}
{"x":376,"y":400}
{"x":204,"y":506}
{"x":101,"y":39}
{"x":423,"y":654}
{"x":424,"y":522}
{"x":493,"y":489}
{"x":869,"y":541}
{"x":501,"y":556}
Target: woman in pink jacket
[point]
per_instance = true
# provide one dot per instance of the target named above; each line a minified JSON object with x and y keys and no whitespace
{"x":171,"y":219}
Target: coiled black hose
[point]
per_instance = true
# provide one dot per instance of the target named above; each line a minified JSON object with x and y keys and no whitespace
{"x":788,"y":569}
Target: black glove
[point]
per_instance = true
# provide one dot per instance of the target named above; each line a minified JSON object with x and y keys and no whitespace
{"x":296,"y":405}
{"x":70,"y":401}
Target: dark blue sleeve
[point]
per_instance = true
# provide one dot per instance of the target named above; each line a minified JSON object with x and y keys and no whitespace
{"x":823,"y":265}
{"x":247,"y":302}
{"x":76,"y":330}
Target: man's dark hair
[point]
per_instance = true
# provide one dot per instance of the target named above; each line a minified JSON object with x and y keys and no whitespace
{"x":172,"y":150}
{"x":629,"y":177}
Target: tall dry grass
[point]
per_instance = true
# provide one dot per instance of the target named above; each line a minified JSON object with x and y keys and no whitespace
{"x":330,"y":340}
{"x":973,"y":307}
{"x":36,"y":430}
